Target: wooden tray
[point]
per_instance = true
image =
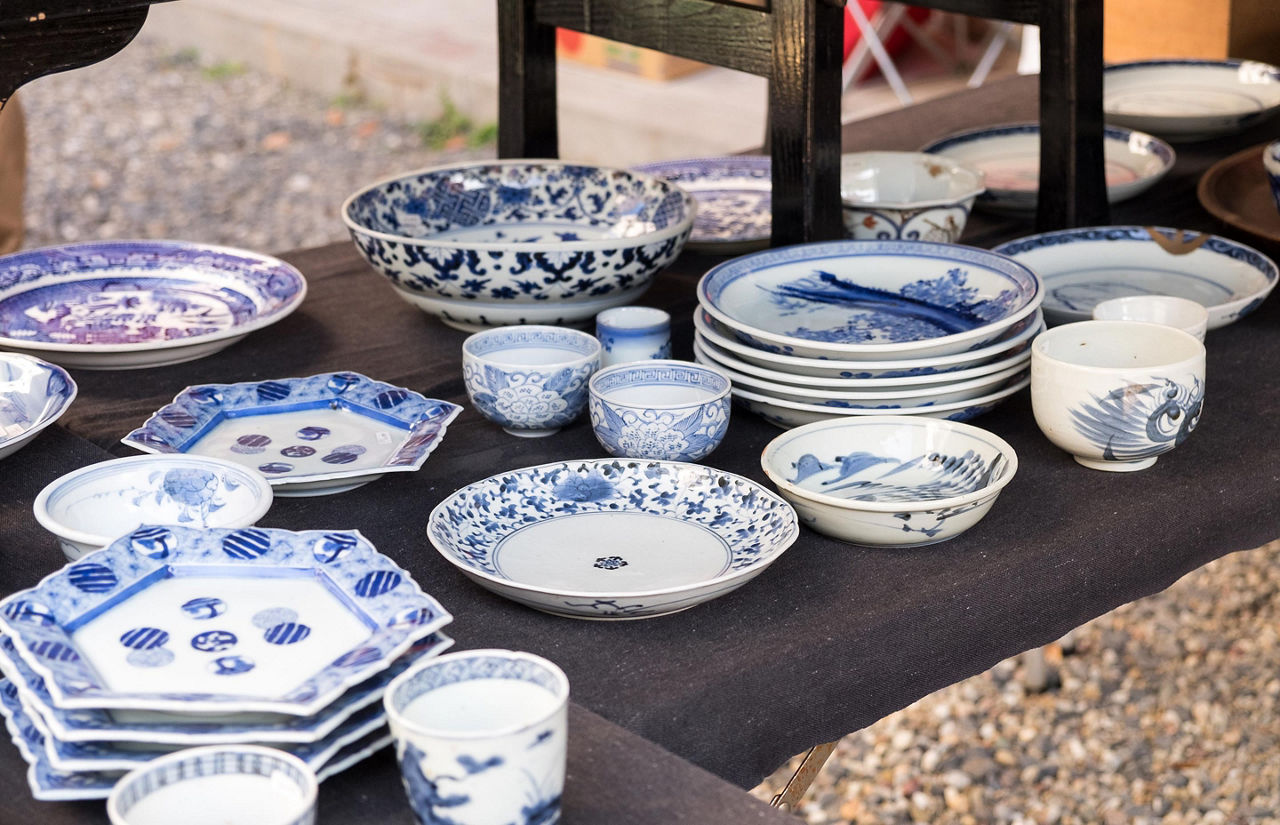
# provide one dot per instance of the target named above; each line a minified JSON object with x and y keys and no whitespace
{"x":1235,"y":190}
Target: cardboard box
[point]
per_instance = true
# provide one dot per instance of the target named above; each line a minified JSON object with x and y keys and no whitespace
{"x":1213,"y":29}
{"x":596,"y":51}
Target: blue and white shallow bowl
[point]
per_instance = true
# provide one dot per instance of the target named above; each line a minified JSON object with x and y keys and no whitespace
{"x":214,"y":620}
{"x":529,"y":380}
{"x":133,"y":304}
{"x":612,"y":538}
{"x":663,"y":410}
{"x":734,"y":195}
{"x":1083,"y":267}
{"x":87,"y":508}
{"x":490,"y":243}
{"x":225,"y":784}
{"x":1009,"y":158}
{"x":322,"y":434}
{"x":870,"y":300}
{"x":1190,"y":99}
{"x":890,"y":481}
{"x":33,"y":395}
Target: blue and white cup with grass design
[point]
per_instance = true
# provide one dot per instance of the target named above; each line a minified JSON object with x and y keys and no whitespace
{"x":633,"y":333}
{"x":530,"y":380}
{"x":481,"y":737}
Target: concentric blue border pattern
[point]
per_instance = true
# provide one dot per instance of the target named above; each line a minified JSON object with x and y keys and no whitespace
{"x":16,"y":417}
{"x":452,"y":670}
{"x":177,"y":426}
{"x":41,"y":621}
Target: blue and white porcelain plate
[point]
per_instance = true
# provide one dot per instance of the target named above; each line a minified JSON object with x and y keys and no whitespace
{"x":869,"y":300}
{"x":327,"y":433}
{"x":1190,"y":99}
{"x":612,"y":539}
{"x":215,"y":620}
{"x":1083,"y":267}
{"x":1009,"y":158}
{"x":132,"y":304}
{"x":734,"y":195}
{"x":89,"y":725}
{"x":33,"y":395}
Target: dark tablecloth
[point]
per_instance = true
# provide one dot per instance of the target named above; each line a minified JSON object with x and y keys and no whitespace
{"x":832,"y":637}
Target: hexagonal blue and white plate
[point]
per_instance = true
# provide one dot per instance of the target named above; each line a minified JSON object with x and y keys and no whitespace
{"x":229,"y":621}
{"x":309,"y":436}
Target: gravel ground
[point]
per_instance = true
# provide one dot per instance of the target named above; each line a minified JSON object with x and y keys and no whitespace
{"x":1167,"y":711}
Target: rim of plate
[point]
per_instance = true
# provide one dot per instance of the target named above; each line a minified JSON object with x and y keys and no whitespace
{"x":956,"y":169}
{"x":1006,"y":450}
{"x":853,"y":412}
{"x":657,"y":236}
{"x":53,"y":416}
{"x":238,"y":331}
{"x":658,"y":168}
{"x":959,"y":253}
{"x":761,"y":562}
{"x":1116,"y":134}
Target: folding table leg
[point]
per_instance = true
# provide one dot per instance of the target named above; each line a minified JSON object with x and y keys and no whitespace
{"x":800,"y":781}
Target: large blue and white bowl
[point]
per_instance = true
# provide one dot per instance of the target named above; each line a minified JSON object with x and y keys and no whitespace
{"x":483,"y":244}
{"x":870,"y":300}
{"x":33,"y":394}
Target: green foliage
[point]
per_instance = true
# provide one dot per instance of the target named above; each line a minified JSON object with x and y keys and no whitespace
{"x":452,"y":127}
{"x":223,"y":69}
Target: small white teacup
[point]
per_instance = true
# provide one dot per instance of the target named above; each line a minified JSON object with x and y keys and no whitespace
{"x":633,"y":334}
{"x":480,"y":736}
{"x":1117,"y":394}
{"x":1182,"y":313}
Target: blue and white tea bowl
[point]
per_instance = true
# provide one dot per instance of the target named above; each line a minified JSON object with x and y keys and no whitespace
{"x":662,"y":410}
{"x":1116,"y":395}
{"x":530,"y":380}
{"x":227,"y":784}
{"x":890,"y":481}
{"x":33,"y":395}
{"x":870,"y":300}
{"x":483,"y":244}
{"x":909,"y":196}
{"x":89,"y":508}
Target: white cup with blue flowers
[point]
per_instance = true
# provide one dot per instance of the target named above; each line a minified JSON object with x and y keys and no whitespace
{"x":633,"y":334}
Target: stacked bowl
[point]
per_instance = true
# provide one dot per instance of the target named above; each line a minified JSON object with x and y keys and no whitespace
{"x":853,"y":328}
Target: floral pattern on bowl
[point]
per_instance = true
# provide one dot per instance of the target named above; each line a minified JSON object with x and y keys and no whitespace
{"x":667,"y":410}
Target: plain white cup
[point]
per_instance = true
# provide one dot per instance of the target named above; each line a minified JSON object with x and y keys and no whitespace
{"x":633,"y":334}
{"x":1182,"y":313}
{"x":1117,"y":394}
{"x":480,"y":736}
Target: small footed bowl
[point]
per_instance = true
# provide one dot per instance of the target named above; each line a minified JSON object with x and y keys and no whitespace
{"x":1117,"y":394}
{"x":228,"y":784}
{"x":88,"y":508}
{"x":661,"y":410}
{"x":529,"y":380}
{"x":1180,"y":313}
{"x":909,"y":195}
{"x":890,"y":480}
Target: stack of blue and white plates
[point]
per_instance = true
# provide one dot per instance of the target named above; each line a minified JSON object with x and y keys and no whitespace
{"x":848,"y":328}
{"x":173,"y":637}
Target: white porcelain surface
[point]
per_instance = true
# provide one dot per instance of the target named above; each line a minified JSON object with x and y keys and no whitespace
{"x":1117,"y":394}
{"x":88,"y":508}
{"x":1190,"y":99}
{"x":890,"y":481}
{"x":662,"y":410}
{"x":612,"y":538}
{"x":1016,"y":340}
{"x":481,"y":737}
{"x":633,"y":333}
{"x":787,"y":414}
{"x":1181,"y":313}
{"x":217,"y":785}
{"x":734,"y":195}
{"x":907,"y":195}
{"x":1081,"y":267}
{"x":869,"y":300}
{"x":33,"y":395}
{"x":1009,"y":157}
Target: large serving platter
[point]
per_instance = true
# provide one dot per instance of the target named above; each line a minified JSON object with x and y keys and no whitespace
{"x":612,"y":539}
{"x":214,"y":620}
{"x":1016,"y":340}
{"x":734,"y":196}
{"x":869,"y":300}
{"x":1009,"y":157}
{"x":1082,"y":267}
{"x":133,"y":304}
{"x":326,"y":433}
{"x":1188,"y":99}
{"x":33,"y":394}
{"x":1237,"y":192}
{"x":87,"y":725}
